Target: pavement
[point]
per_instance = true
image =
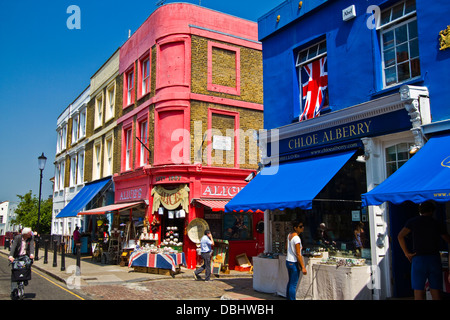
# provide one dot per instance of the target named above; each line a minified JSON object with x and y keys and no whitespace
{"x":94,"y":274}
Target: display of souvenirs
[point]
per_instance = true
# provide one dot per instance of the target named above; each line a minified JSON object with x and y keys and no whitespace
{"x":172,"y":237}
{"x":344,"y":262}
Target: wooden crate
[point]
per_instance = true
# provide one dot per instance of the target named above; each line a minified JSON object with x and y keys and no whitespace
{"x":165,"y":272}
{"x":140,"y":269}
{"x":153,"y":270}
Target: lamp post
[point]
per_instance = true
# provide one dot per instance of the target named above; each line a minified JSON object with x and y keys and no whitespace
{"x":41,"y":164}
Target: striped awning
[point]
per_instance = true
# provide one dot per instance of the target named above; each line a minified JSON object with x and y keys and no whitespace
{"x":214,"y":205}
{"x":111,"y":208}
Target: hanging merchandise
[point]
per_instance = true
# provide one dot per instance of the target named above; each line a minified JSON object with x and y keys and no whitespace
{"x":182,"y":214}
{"x":177,"y":214}
{"x":171,"y":214}
{"x":155,"y":225}
{"x":161,"y":211}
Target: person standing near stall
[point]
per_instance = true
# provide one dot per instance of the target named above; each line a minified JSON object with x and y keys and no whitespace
{"x":206,"y":244}
{"x":425,"y":258}
{"x":76,"y":239}
{"x":294,"y":259}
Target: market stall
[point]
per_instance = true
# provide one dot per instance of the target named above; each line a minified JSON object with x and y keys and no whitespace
{"x":327,"y":278}
{"x":115,"y":231}
{"x":157,"y":260}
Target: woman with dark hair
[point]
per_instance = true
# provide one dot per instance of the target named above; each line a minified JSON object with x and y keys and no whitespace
{"x":294,"y":259}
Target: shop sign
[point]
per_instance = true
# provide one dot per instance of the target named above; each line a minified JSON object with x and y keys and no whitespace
{"x":220,"y":191}
{"x":171,"y":199}
{"x":132,"y":194}
{"x":341,"y":135}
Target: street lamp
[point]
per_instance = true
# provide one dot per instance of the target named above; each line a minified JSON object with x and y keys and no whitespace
{"x":41,"y":164}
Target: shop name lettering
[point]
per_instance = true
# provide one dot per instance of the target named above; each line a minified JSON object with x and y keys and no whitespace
{"x":335,"y":134}
{"x":131,"y":194}
{"x":221,"y":191}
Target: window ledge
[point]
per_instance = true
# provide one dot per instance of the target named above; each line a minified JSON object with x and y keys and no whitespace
{"x":396,"y":88}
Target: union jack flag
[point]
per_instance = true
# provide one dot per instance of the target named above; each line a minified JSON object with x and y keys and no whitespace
{"x":314,"y":77}
{"x":161,"y":260}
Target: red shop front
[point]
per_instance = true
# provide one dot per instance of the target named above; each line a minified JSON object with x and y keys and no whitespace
{"x":178,"y":194}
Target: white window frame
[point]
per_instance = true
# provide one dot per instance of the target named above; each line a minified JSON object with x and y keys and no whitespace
{"x":108,"y":154}
{"x":98,"y":120}
{"x":130,"y":87}
{"x":73,"y":170}
{"x":128,"y":148}
{"x":97,"y":160}
{"x":82,"y":123}
{"x":110,"y":102}
{"x":62,"y":170}
{"x":391,"y":25}
{"x":75,"y":128}
{"x":143,"y":155}
{"x":80,"y":167}
{"x":57,"y":174}
{"x":145,"y":79}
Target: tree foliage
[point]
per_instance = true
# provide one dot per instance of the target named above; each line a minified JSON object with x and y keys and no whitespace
{"x":27,"y":213}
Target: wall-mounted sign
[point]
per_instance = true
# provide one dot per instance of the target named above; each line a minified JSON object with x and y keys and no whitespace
{"x":330,"y":139}
{"x":221,"y":143}
{"x":132,"y":194}
{"x":220,"y":191}
{"x":349,"y":13}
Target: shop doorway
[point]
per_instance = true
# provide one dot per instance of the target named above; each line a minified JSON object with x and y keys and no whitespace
{"x":172,"y":227}
{"x":401,"y":267}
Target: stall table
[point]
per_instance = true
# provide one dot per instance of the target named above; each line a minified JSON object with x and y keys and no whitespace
{"x":265,"y":274}
{"x":322,"y":281}
{"x":162,"y":263}
{"x":341,"y":283}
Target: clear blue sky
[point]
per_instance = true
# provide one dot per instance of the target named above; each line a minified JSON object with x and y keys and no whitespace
{"x":44,"y":66}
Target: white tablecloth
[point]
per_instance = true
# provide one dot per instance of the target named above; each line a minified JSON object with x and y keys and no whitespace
{"x":342,"y":283}
{"x":322,"y":282}
{"x":265,"y":274}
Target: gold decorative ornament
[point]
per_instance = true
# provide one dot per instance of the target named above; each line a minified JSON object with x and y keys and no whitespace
{"x":444,"y":38}
{"x":278,"y":18}
{"x":300,"y":4}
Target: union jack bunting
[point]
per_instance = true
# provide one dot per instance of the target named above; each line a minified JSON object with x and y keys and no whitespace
{"x":314,"y":77}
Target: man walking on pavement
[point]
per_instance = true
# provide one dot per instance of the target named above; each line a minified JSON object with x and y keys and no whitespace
{"x":425,"y":258}
{"x":206,"y":243}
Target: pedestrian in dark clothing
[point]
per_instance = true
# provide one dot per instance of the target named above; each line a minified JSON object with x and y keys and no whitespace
{"x":425,"y":258}
{"x":23,"y":245}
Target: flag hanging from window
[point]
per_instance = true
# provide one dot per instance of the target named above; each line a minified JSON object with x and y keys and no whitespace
{"x":314,"y":78}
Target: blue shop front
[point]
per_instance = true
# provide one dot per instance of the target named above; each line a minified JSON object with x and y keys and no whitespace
{"x":316,"y":170}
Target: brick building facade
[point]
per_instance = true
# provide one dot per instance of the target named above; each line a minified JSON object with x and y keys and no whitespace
{"x":192,"y":94}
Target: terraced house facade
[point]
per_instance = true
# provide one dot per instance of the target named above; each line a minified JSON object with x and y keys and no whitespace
{"x":180,"y":138}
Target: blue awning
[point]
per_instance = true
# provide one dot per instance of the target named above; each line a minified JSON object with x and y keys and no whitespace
{"x":89,"y":191}
{"x":426,"y":176}
{"x":294,"y":185}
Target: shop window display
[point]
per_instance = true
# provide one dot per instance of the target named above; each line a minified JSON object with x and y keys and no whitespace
{"x":336,"y":220}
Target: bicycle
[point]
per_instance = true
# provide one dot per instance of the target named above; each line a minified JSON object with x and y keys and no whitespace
{"x":20,"y":273}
